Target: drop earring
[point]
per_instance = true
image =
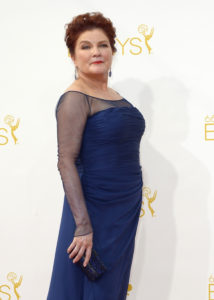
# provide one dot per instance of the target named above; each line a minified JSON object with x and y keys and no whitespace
{"x":75,"y":75}
{"x":110,"y":73}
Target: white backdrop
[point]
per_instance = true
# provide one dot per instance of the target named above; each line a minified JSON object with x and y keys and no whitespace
{"x":173,"y":88}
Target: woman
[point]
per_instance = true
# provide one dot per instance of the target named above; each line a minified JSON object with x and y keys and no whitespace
{"x":98,"y":134}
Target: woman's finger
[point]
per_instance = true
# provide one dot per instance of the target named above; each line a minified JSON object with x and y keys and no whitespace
{"x":79,"y":255}
{"x":75,"y":251}
{"x":72,"y":245}
{"x":87,"y":256}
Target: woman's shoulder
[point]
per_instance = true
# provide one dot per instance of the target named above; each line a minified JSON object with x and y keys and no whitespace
{"x":114,"y":92}
{"x":72,"y":98}
{"x":76,"y":88}
{"x":73,"y":90}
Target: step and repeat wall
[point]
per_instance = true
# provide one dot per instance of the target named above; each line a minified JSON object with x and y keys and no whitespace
{"x":165,"y":67}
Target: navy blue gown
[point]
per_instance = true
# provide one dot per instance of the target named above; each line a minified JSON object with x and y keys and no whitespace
{"x":108,"y":165}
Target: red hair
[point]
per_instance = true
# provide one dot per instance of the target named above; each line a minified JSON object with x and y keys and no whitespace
{"x":85,"y":22}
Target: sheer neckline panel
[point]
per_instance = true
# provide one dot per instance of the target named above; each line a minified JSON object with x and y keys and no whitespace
{"x":109,"y":108}
{"x":94,"y":96}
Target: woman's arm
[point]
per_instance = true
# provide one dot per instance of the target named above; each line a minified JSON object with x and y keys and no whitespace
{"x":71,"y":113}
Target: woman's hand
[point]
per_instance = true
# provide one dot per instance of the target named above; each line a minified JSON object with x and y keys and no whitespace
{"x":79,"y":245}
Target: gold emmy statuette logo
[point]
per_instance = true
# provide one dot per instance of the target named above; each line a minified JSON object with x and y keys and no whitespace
{"x":211,"y":288}
{"x":209,"y":128}
{"x":129,"y":288}
{"x":11,"y":276}
{"x":143,"y":29}
{"x":147,"y":194}
{"x":9,"y":120}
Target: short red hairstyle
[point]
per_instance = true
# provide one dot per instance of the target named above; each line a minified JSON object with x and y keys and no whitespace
{"x":85,"y":22}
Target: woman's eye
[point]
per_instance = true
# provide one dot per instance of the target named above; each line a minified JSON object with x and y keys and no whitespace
{"x":85,"y":47}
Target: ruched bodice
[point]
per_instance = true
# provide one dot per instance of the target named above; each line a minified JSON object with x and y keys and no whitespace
{"x":114,"y":134}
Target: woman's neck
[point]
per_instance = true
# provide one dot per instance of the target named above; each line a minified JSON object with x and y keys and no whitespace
{"x":98,"y":83}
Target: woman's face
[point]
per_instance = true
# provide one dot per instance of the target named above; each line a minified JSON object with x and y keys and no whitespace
{"x":93,"y":45}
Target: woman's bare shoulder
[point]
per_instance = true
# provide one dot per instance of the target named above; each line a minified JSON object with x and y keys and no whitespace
{"x":114,"y":92}
{"x":75,"y":87}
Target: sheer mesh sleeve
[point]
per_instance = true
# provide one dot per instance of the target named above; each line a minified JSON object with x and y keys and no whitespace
{"x":71,"y":114}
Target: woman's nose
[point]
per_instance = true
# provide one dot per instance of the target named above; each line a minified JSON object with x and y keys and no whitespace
{"x":96,"y":50}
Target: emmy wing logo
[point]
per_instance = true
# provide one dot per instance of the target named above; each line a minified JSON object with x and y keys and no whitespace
{"x":9,"y":290}
{"x":12,"y":126}
{"x":143,"y":30}
{"x":211,"y":288}
{"x":150,"y":199}
{"x":209,"y":128}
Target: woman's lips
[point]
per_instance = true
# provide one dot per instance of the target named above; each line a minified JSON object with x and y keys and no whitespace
{"x":97,"y":62}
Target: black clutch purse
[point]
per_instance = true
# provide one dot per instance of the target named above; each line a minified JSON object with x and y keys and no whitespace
{"x":95,"y":267}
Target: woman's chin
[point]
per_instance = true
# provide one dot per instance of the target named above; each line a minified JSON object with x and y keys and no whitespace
{"x":98,"y":73}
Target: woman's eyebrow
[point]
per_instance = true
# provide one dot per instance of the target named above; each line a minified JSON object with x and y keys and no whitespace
{"x":89,"y":41}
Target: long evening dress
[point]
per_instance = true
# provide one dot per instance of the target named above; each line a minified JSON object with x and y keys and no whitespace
{"x":99,"y":164}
